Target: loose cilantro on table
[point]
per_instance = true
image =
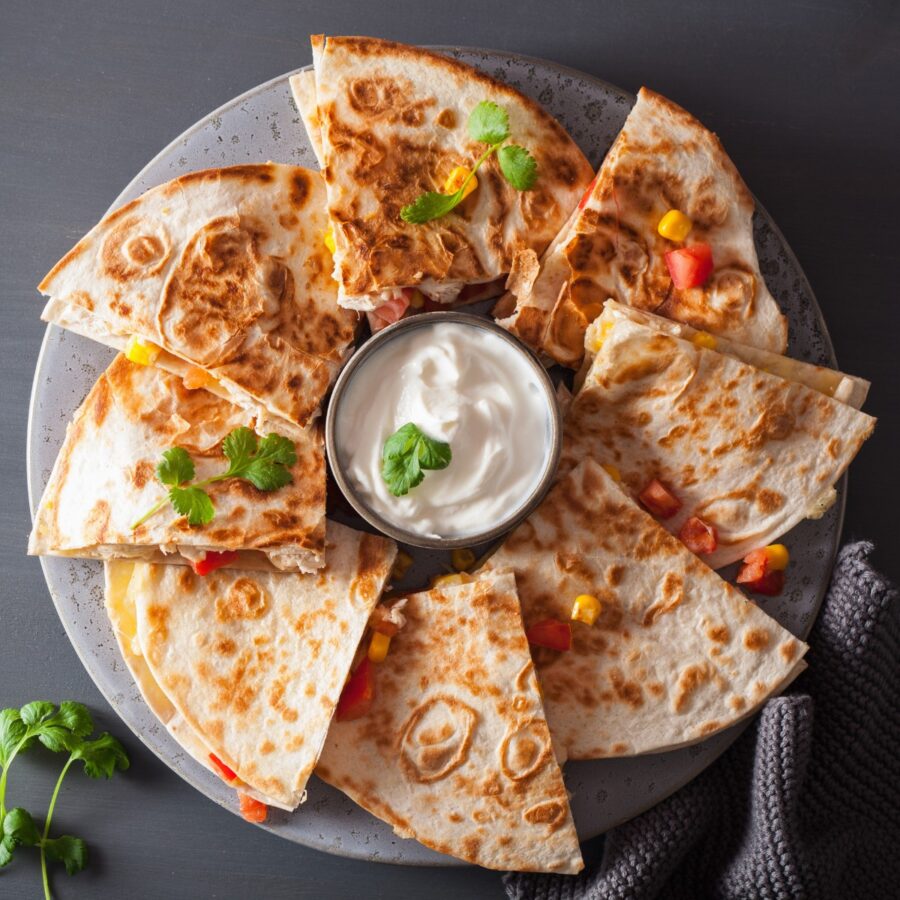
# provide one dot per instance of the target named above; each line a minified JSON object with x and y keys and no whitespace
{"x":488,"y":123}
{"x":62,"y":729}
{"x":408,"y":452}
{"x":264,"y":463}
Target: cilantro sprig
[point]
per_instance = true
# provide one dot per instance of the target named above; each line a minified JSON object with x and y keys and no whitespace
{"x":264,"y":463}
{"x":488,"y":123}
{"x":407,"y":453}
{"x":61,"y":729}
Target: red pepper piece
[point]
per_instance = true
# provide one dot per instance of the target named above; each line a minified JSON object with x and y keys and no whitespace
{"x":358,"y":693}
{"x":550,"y":633}
{"x":214,"y":560}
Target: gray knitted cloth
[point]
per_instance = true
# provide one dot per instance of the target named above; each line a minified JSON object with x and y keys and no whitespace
{"x":806,"y":803}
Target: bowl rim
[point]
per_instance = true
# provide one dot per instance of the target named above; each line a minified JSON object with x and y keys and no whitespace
{"x":397,"y":532}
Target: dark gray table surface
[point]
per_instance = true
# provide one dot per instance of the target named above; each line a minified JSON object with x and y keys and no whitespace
{"x":805,"y":97}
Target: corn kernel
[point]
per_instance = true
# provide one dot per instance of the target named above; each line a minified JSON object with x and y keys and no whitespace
{"x":416,"y":299}
{"x":704,"y":339}
{"x":455,"y":181}
{"x":401,"y":565}
{"x":328,"y":240}
{"x":378,"y":647}
{"x":195,"y":378}
{"x":586,"y":609}
{"x":612,"y":471}
{"x":674,"y":226}
{"x":462,"y":559}
{"x":778,"y":556}
{"x":600,"y":335}
{"x":143,"y":353}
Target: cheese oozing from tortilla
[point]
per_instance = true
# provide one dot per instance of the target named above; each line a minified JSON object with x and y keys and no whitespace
{"x":461,"y":385}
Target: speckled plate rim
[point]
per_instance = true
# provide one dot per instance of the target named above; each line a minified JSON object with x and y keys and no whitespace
{"x":194,"y":774}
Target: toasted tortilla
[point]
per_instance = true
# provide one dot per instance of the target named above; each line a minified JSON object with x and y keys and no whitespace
{"x":849,"y":389}
{"x":662,"y":159}
{"x":390,"y":123}
{"x":677,"y":653}
{"x":455,"y":750}
{"x":749,"y":452}
{"x":105,"y":479}
{"x":225,"y":270}
{"x":249,"y":665}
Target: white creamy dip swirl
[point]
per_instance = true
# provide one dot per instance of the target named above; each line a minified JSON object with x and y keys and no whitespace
{"x":463,"y":385}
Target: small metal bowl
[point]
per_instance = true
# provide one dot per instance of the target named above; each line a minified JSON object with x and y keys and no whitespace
{"x":393,"y":530}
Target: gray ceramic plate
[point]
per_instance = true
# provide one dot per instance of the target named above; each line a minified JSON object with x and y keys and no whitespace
{"x":263,"y":124}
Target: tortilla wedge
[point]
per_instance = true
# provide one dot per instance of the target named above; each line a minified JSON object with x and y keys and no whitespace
{"x":676,"y":655}
{"x":662,"y":159}
{"x":249,"y":666}
{"x":388,"y":122}
{"x":455,"y":750}
{"x":104,"y":480}
{"x":749,"y":452}
{"x":226,"y":271}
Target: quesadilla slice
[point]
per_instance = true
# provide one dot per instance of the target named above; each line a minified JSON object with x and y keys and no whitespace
{"x":675,"y":653}
{"x":388,"y":123}
{"x":221,"y":276}
{"x":245,"y":668}
{"x":106,"y":480}
{"x":454,"y":749}
{"x":664,"y":163}
{"x":746,"y":452}
{"x":849,"y":389}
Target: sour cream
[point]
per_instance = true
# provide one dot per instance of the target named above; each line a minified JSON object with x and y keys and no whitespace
{"x":466,"y":386}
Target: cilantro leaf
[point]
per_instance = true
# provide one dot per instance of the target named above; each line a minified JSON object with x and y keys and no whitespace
{"x":239,"y":446}
{"x":429,"y":206}
{"x":402,"y":473}
{"x":267,"y":475}
{"x":76,"y":718}
{"x":71,"y":851}
{"x":194,"y":503}
{"x":278,"y":449}
{"x":401,"y":441}
{"x":18,"y":828}
{"x":518,"y":166}
{"x":434,"y":454}
{"x":489,"y":123}
{"x":262,"y":463}
{"x":176,"y":467}
{"x":406,"y":454}
{"x":12,"y":730}
{"x":36,"y":712}
{"x":101,"y":757}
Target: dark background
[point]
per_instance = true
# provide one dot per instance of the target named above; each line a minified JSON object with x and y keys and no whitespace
{"x":805,"y":97}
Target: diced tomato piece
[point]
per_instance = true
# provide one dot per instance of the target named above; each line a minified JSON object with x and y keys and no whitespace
{"x":213,"y":561}
{"x":583,"y":202}
{"x":690,"y":266}
{"x":757,"y":575}
{"x":659,"y":500}
{"x":756,"y":564}
{"x":697,"y":536}
{"x":358,"y":693}
{"x":252,"y":810}
{"x":389,"y":312}
{"x":222,"y":770}
{"x":771,"y":584}
{"x":550,"y":633}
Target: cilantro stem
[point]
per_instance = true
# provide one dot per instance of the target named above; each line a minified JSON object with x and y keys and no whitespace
{"x":46,"y":833}
{"x":161,"y":503}
{"x":3,"y":777}
{"x":150,"y":512}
